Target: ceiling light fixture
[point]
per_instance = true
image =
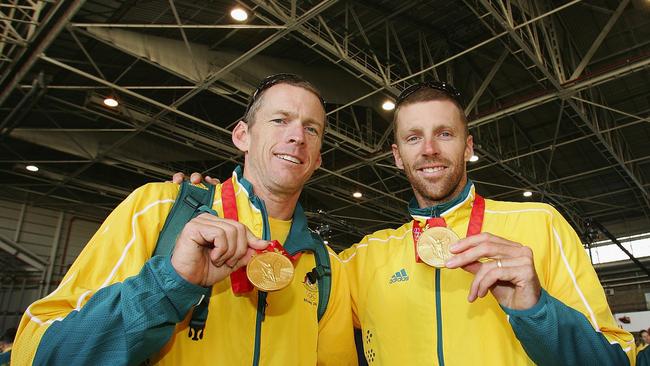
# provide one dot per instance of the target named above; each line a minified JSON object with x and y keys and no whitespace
{"x":32,"y":168}
{"x":388,"y":105}
{"x":111,"y":102}
{"x":357,"y":194}
{"x":239,"y":14}
{"x":474,"y":158}
{"x":528,"y":193}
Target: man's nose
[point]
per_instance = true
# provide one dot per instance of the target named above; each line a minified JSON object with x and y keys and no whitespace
{"x":430,"y":147}
{"x":296,"y":133}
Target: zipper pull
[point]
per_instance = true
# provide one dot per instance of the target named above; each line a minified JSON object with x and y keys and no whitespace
{"x":262,"y":304}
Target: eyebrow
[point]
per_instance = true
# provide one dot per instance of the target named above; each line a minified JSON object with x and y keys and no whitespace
{"x":441,"y":127}
{"x":413,"y":129}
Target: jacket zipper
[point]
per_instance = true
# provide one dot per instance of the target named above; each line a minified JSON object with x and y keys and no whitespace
{"x":261,"y":309}
{"x":261,"y":295}
{"x":441,"y":358}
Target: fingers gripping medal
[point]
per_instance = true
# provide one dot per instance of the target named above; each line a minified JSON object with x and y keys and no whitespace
{"x":433,"y":245}
{"x":270,"y":269}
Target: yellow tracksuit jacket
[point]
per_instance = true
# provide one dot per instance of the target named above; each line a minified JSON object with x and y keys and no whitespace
{"x":117,"y":305}
{"x":413,"y":314}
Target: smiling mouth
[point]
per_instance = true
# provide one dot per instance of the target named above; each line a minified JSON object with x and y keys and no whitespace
{"x":433,"y":170}
{"x":289,"y":158}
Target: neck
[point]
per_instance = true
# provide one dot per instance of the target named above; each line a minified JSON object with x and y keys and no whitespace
{"x":424,"y":208}
{"x":279,"y":205}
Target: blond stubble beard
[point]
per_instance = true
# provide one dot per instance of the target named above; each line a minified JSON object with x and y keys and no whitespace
{"x":450,"y":186}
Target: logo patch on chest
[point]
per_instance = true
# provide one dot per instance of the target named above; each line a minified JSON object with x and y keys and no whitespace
{"x":399,"y":276}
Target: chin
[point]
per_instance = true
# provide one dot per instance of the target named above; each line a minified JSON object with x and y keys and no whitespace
{"x":437,"y":193}
{"x":288,"y":184}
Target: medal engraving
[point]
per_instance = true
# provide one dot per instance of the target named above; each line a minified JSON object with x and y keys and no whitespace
{"x":270,"y":271}
{"x":433,"y":246}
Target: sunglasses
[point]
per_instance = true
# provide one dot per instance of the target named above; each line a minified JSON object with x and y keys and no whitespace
{"x":442,"y":86}
{"x":275,"y":79}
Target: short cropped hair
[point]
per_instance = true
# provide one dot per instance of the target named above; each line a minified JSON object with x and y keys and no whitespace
{"x":428,"y":95}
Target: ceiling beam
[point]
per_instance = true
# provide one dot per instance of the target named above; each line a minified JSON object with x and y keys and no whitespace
{"x":599,"y":39}
{"x":602,"y":140}
{"x":55,"y":20}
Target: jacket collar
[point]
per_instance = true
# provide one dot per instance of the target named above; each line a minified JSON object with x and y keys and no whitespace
{"x":445,"y":208}
{"x":300,"y":237}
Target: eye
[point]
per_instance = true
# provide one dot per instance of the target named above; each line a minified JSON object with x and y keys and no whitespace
{"x":446,"y":134}
{"x":277,"y":120}
{"x":311,"y":130}
{"x":412,"y":138}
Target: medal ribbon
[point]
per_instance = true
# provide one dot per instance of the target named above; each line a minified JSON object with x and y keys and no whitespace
{"x":473,"y":228}
{"x":238,"y":279}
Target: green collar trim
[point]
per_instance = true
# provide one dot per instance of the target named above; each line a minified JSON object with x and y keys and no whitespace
{"x":438,"y":210}
{"x":300,"y":238}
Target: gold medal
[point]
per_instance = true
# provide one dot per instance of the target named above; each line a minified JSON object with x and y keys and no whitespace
{"x":433,"y":245}
{"x":270,"y":271}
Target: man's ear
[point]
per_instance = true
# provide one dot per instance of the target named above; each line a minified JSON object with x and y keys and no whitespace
{"x":469,"y":147}
{"x":397,"y":156}
{"x":240,"y":136}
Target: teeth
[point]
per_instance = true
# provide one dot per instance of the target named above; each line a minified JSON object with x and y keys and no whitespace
{"x":432,"y":170}
{"x":289,"y":158}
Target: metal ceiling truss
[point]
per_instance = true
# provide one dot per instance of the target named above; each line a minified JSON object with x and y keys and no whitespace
{"x":534,"y":44}
{"x":18,"y":23}
{"x":35,"y":34}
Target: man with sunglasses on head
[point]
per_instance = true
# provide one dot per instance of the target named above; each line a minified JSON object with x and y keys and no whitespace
{"x":514,"y":275}
{"x":119,"y":305}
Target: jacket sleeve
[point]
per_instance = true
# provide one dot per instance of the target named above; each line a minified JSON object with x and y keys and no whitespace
{"x":335,"y":331}
{"x":555,"y":334}
{"x":643,"y":357}
{"x":572,"y":322}
{"x":123,"y":323}
{"x":103,"y":304}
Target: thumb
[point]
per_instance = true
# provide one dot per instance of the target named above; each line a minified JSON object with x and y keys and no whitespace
{"x":255,"y":242}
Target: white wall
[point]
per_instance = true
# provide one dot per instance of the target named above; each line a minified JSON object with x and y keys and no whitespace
{"x":638,"y":320}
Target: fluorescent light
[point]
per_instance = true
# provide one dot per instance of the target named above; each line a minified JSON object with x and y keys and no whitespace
{"x":357,"y":194}
{"x":474,"y":158}
{"x":32,"y":168}
{"x":239,"y":14}
{"x":528,"y":193}
{"x":388,"y":105}
{"x":111,"y":102}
